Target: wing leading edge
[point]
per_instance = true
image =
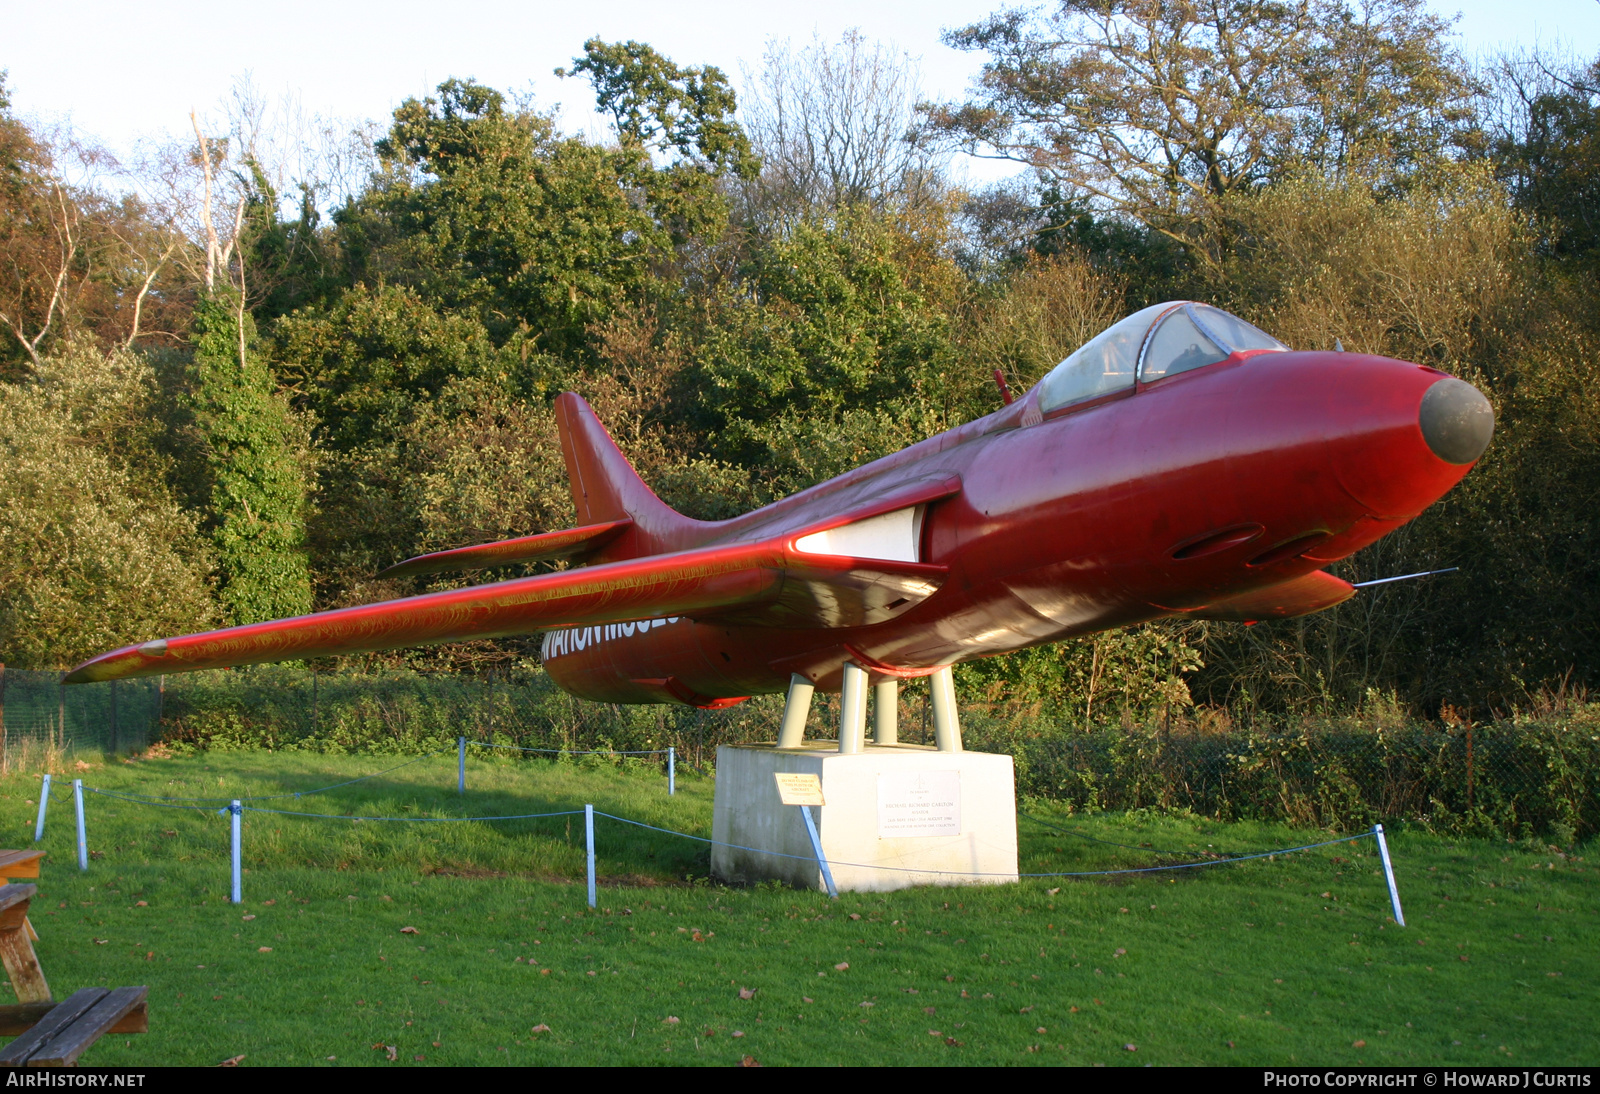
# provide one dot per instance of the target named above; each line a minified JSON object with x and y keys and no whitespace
{"x":767,"y":583}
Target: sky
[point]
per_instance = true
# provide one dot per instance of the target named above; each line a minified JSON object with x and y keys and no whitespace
{"x":120,"y":71}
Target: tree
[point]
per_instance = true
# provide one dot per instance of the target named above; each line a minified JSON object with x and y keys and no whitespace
{"x":1547,"y":148}
{"x":834,"y":347}
{"x":255,"y":457}
{"x":486,"y":209}
{"x":74,"y":260}
{"x":94,"y":551}
{"x":1387,"y":97}
{"x":1157,"y":110}
{"x":684,"y":113}
{"x":42,"y":266}
{"x":833,"y":127}
{"x":685,"y":116}
{"x":361,"y":365}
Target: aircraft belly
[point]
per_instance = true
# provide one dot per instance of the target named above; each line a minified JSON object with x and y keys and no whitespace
{"x":662,"y":660}
{"x":606,"y":662}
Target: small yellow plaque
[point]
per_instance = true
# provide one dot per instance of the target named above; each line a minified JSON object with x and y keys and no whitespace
{"x":796,"y":789}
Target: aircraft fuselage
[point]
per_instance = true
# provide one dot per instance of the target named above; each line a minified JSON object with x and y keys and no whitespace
{"x":1166,"y":499}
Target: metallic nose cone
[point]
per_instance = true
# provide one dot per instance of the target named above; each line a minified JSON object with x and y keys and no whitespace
{"x":1456,"y":420}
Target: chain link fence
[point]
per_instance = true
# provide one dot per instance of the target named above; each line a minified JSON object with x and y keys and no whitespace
{"x":1518,"y":777}
{"x":1514,"y":778}
{"x":40,"y":716}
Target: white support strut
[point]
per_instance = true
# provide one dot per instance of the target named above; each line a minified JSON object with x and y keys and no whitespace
{"x":886,"y":712}
{"x":792,"y":733}
{"x":853,"y":710}
{"x":946,"y":728}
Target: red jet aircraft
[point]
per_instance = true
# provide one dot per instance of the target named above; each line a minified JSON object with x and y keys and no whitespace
{"x":1181,"y":464}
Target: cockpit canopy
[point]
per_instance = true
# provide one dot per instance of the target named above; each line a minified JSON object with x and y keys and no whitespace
{"x":1159,"y":341}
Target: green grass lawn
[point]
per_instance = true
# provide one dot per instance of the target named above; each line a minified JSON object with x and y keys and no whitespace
{"x":1285,"y":961}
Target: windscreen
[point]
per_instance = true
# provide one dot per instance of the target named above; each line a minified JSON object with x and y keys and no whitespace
{"x":1106,"y":363}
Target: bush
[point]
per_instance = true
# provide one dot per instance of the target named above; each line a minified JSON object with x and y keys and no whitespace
{"x":94,"y":551}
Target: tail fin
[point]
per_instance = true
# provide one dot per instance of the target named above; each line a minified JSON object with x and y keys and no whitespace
{"x":605,"y":487}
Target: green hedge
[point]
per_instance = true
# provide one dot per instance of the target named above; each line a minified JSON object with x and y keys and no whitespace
{"x":1519,"y":778}
{"x":1522,"y":777}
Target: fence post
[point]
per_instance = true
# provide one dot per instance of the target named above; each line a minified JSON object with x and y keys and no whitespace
{"x":588,"y":839}
{"x":114,"y":741}
{"x":672,"y":770}
{"x":237,"y":895}
{"x":461,"y":765}
{"x":2,"y":716}
{"x":44,"y":800}
{"x":83,"y":840}
{"x":1388,"y":875}
{"x":1469,"y":767}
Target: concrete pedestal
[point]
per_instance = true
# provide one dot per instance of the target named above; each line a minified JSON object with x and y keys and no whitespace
{"x":937,"y":818}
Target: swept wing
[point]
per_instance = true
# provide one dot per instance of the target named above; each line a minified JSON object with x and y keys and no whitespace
{"x":766,"y":583}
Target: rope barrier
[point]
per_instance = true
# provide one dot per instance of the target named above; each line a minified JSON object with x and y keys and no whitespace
{"x":164,"y":804}
{"x":268,"y":797}
{"x":974,"y":873}
{"x":158,"y":803}
{"x":235,"y":808}
{"x":409,"y":820}
{"x":204,"y":803}
{"x":1224,"y":856}
{"x":580,"y":751}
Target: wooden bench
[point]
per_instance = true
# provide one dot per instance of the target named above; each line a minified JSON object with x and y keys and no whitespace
{"x":21,"y":864}
{"x":51,"y":1034}
{"x":16,"y":948}
{"x":64,"y":1031}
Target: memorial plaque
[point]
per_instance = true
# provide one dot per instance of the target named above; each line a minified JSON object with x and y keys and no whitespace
{"x":798,"y":789}
{"x":923,"y":803}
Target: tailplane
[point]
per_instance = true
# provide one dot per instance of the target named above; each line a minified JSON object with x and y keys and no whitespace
{"x":605,"y":487}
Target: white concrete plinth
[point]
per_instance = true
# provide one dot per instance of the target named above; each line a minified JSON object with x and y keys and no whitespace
{"x":936,"y":818}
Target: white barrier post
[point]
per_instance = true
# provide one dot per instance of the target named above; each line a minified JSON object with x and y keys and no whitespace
{"x":816,"y":845}
{"x":461,"y":765}
{"x":672,"y":770}
{"x":237,"y":896}
{"x":44,"y":800}
{"x":588,"y":839}
{"x":83,"y":842}
{"x":1388,"y":874}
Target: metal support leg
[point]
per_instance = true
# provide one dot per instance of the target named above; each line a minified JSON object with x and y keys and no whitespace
{"x":853,"y":710}
{"x":886,"y":713}
{"x":946,"y":728}
{"x":792,"y":733}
